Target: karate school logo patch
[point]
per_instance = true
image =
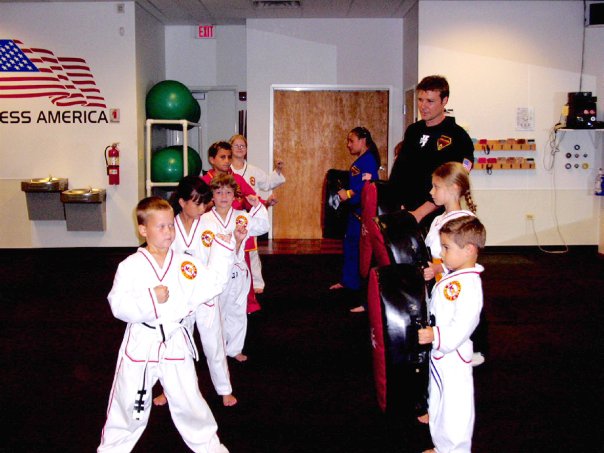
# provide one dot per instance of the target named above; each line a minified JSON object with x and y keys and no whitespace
{"x":188,"y":269}
{"x":252,"y":181}
{"x":442,"y":142}
{"x":207,"y":237}
{"x":354,"y":170}
{"x":241,"y":220}
{"x":452,"y":290}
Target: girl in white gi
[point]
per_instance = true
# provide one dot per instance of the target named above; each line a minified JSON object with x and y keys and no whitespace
{"x":189,"y":202}
{"x":455,"y":303}
{"x":450,"y":182}
{"x":155,"y":290}
{"x":222,"y":218}
{"x":260,"y":182}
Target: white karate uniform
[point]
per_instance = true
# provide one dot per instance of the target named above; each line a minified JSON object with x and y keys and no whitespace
{"x":433,"y":237}
{"x":456,"y":303}
{"x":207,"y":316}
{"x":233,"y":300}
{"x":158,"y":344}
{"x":263,"y":184}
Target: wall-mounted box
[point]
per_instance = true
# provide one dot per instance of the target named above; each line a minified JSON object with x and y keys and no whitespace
{"x":85,"y":209}
{"x":43,"y":197}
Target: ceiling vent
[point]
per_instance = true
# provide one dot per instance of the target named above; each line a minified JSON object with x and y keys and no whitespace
{"x":274,"y":4}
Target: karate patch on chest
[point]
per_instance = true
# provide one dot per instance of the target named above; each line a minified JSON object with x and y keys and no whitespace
{"x":188,"y":269}
{"x":252,"y":181}
{"x":451,"y":290}
{"x":241,"y":220}
{"x":355,"y":171}
{"x":207,"y":237}
{"x":442,"y":142}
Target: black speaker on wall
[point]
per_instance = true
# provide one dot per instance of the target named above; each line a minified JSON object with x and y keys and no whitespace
{"x":596,"y":14}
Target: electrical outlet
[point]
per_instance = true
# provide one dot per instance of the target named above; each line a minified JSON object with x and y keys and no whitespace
{"x":530,"y":217}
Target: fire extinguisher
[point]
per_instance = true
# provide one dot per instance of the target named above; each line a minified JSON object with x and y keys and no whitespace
{"x":112,"y":160}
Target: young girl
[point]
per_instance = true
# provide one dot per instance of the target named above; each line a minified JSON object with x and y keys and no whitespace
{"x":258,"y":180}
{"x":222,"y":219}
{"x":450,"y":182}
{"x":361,"y":145}
{"x":189,"y":202}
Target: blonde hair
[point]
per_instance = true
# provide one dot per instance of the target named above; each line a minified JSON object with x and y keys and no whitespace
{"x":455,"y":173}
{"x":146,"y":205}
{"x":466,"y":230}
{"x":238,"y":136}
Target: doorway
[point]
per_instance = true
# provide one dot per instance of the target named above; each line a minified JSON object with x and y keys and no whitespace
{"x":310,"y":127}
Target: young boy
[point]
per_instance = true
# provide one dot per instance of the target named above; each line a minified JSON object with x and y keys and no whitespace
{"x":455,"y":303}
{"x":155,"y":290}
{"x":223,"y":218}
{"x":220,"y":156}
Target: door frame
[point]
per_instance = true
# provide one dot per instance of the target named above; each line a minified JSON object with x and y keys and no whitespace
{"x":323,"y":87}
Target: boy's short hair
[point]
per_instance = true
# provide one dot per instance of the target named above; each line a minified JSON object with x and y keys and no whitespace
{"x":466,"y":230}
{"x":214,"y":147}
{"x":227,"y":180}
{"x":146,"y":205}
{"x":435,"y":83}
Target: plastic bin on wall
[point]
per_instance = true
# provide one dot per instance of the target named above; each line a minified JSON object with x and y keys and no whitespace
{"x":43,"y":198}
{"x":85,"y":209}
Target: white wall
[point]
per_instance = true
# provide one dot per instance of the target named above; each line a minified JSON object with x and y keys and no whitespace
{"x":150,"y":69}
{"x":105,"y":38}
{"x":319,"y":52}
{"x":499,"y":56}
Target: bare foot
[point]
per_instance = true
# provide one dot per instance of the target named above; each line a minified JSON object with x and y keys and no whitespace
{"x":229,"y":400}
{"x":240,"y":357}
{"x":258,"y":290}
{"x":359,"y":309}
{"x":424,"y":419}
{"x":160,"y":400}
{"x":336,"y":286}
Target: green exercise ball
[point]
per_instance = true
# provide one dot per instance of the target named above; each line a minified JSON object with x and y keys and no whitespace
{"x":166,"y":164}
{"x":171,"y":100}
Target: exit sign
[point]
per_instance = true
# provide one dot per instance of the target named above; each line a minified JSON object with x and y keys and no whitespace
{"x":205,"y":32}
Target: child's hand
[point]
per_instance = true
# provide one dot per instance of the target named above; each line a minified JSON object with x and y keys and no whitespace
{"x":425,"y":336}
{"x":279,"y":164}
{"x":224,"y":237}
{"x":162,"y":294}
{"x":429,"y":273}
{"x":252,"y":199}
{"x":240,"y":235}
{"x":271,"y":201}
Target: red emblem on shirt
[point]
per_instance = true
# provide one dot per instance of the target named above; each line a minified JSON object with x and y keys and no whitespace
{"x":188,"y":269}
{"x":452,"y":290}
{"x":443,"y":141}
{"x":252,"y":181}
{"x":241,"y":220}
{"x":207,"y":237}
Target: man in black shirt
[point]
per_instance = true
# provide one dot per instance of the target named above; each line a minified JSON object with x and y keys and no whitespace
{"x":427,"y":144}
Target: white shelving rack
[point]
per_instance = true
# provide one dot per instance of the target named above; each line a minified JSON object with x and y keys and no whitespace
{"x":185,"y":125}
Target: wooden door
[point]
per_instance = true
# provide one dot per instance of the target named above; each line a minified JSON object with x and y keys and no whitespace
{"x":310,"y":130}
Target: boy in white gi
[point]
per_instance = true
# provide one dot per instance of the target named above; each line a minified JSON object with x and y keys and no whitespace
{"x":222,"y":218}
{"x":455,"y":303}
{"x":155,"y":290}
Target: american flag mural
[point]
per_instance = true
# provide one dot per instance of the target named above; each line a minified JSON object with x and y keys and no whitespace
{"x":34,"y":72}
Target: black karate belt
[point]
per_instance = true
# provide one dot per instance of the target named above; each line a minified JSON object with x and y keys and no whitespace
{"x":397,"y":309}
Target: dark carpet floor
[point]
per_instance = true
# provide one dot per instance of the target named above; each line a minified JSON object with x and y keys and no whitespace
{"x":308,"y":384}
